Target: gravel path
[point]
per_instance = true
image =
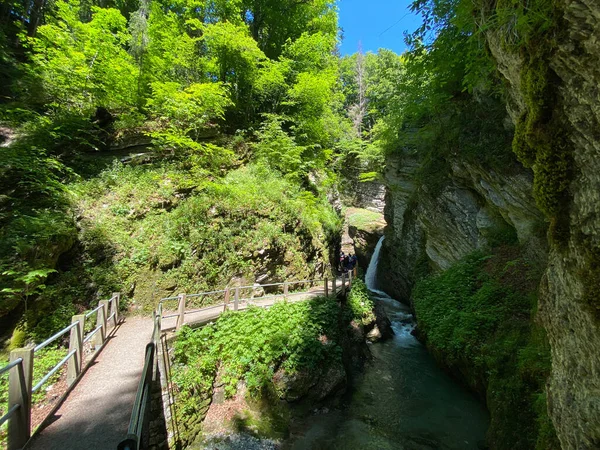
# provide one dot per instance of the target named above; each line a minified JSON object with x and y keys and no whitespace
{"x":96,"y":413}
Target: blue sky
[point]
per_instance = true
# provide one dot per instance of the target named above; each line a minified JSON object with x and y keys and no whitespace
{"x":376,"y":24}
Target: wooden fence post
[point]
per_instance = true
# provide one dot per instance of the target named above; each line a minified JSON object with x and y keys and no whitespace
{"x":226,"y":299}
{"x":106,"y":314}
{"x":285,"y":290}
{"x":181,"y":309}
{"x":100,"y":336}
{"x":236,"y":298}
{"x":326,"y":288}
{"x":159,"y":313}
{"x":19,"y":392}
{"x":75,"y":343}
{"x":115,"y":306}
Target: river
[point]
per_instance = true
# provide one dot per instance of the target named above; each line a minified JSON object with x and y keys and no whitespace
{"x":402,"y":400}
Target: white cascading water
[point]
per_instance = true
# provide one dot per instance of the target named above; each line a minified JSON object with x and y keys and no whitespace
{"x":400,"y":316}
{"x":371,"y":275}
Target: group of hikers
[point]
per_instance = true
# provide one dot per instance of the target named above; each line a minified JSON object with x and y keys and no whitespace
{"x":347,"y":262}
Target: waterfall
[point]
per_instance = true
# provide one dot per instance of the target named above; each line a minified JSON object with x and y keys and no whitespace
{"x":371,"y":275}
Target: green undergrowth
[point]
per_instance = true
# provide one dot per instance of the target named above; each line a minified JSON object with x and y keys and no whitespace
{"x":359,"y":303}
{"x":165,"y":229}
{"x":478,"y":319}
{"x":251,"y":346}
{"x":174,"y":225}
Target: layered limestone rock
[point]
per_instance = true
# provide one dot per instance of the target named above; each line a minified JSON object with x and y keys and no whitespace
{"x":368,"y":194}
{"x":430,"y":231}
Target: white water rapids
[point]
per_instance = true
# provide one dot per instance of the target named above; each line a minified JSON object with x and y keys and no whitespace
{"x":401,"y":401}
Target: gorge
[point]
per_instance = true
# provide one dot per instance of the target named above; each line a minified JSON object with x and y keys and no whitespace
{"x":159,"y":147}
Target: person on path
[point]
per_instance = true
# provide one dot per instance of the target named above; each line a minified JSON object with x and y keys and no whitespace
{"x":353,"y":264}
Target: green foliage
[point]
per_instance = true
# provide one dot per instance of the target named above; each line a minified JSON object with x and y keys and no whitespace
{"x":477,"y":318}
{"x":82,"y":65}
{"x":279,"y":149}
{"x":360,"y":304}
{"x":252,"y":346}
{"x":209,"y":234}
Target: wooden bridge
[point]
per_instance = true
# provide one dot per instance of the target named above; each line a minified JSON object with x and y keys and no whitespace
{"x":109,"y":370}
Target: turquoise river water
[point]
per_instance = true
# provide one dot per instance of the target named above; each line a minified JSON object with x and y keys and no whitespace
{"x":403,"y":400}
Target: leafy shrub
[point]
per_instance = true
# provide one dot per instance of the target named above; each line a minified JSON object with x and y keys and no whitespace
{"x":360,"y":304}
{"x":195,"y":234}
{"x":252,"y":345}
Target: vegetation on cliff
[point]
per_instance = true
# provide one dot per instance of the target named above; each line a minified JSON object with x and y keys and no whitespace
{"x":478,"y":319}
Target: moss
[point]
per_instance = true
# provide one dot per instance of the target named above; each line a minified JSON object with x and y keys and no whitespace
{"x":520,"y":145}
{"x":540,"y":140}
{"x":551,"y":175}
{"x":591,"y":273}
{"x":17,"y":339}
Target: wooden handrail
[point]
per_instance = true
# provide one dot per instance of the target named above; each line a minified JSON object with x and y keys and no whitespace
{"x":137,"y":432}
{"x":20,"y":368}
{"x":180,"y":311}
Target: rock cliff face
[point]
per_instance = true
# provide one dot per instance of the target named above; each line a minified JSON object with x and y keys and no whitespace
{"x":568,"y":306}
{"x":430,"y":231}
{"x":368,"y":195}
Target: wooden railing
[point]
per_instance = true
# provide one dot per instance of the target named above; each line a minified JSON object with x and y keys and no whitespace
{"x":138,"y":437}
{"x":20,"y":367}
{"x":137,"y":432}
{"x":240,"y":296}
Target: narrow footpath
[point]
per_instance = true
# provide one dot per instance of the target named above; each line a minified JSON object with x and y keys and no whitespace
{"x":211,"y":313}
{"x":95,"y":415}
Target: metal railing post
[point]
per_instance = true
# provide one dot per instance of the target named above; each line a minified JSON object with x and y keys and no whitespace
{"x":334,"y":281}
{"x":100,"y":336}
{"x":19,"y":392}
{"x":75,"y":343}
{"x":236,"y":298}
{"x":326,"y":288}
{"x":285,"y":290}
{"x":343,"y":283}
{"x":115,"y":306}
{"x":350,"y":279}
{"x":226,"y":301}
{"x":181,"y":309}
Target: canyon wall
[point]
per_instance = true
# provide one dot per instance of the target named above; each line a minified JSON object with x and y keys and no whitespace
{"x":429,"y":230}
